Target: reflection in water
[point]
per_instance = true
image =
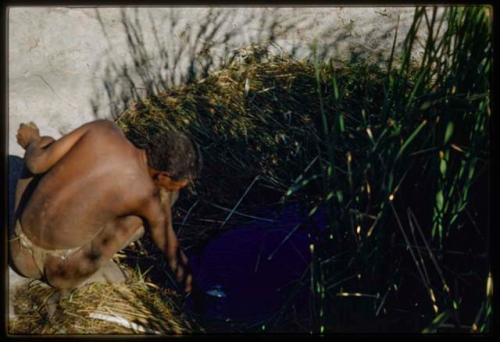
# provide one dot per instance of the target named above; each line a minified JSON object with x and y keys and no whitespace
{"x":247,"y":274}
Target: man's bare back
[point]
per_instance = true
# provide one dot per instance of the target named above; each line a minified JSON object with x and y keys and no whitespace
{"x":91,"y":194}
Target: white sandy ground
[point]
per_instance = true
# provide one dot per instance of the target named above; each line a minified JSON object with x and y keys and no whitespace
{"x":67,"y":64}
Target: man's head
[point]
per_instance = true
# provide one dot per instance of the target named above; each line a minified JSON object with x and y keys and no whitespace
{"x":174,"y":160}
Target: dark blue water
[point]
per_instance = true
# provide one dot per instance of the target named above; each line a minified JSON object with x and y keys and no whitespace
{"x":246,"y":274}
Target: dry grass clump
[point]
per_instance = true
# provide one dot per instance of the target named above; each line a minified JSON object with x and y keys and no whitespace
{"x":258,"y":116}
{"x":254,"y":116}
{"x":134,"y":307}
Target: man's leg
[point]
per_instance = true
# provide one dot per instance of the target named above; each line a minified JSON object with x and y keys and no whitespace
{"x":83,"y":267}
{"x":80,"y":266}
{"x":83,"y":264}
{"x":110,"y":272}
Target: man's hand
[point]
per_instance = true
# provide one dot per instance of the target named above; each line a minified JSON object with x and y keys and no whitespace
{"x":182,"y":271}
{"x":27,"y":133}
{"x":177,"y":260}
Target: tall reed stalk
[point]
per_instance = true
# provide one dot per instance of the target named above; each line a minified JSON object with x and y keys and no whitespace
{"x":432,"y":127}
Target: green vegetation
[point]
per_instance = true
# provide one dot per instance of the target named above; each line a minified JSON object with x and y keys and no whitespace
{"x":394,"y":154}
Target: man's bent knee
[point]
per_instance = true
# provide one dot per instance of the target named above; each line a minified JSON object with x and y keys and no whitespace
{"x":68,"y":274}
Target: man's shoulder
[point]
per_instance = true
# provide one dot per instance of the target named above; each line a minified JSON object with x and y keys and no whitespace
{"x":105,"y":133}
{"x":101,"y":124}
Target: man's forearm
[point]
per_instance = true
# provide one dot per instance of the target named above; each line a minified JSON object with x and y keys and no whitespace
{"x":39,"y":143}
{"x":159,"y":217}
{"x":33,"y":151}
{"x":164,"y":237}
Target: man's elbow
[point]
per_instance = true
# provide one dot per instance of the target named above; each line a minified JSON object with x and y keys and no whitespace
{"x":37,"y":163}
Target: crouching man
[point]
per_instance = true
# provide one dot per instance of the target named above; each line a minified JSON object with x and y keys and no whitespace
{"x":90,"y":194}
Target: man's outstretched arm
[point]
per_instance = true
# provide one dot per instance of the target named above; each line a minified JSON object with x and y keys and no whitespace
{"x":163,"y":235}
{"x":43,"y":152}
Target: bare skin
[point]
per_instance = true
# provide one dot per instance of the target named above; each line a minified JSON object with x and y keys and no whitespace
{"x":91,"y":189}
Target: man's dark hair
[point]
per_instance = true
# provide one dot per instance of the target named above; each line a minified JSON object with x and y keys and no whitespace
{"x":174,"y":153}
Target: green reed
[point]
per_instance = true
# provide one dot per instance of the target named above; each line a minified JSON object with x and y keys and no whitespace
{"x":431,"y":124}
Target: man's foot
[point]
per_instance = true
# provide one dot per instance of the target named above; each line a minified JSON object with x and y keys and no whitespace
{"x":52,"y":303}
